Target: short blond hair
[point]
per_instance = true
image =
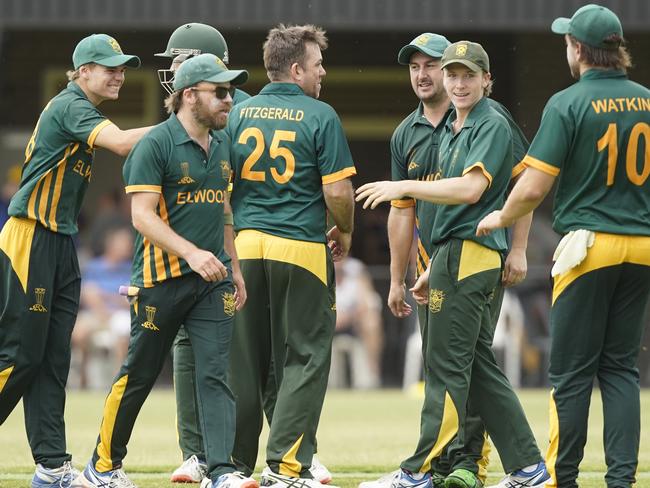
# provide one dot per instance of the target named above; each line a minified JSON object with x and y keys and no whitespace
{"x":285,"y":45}
{"x":73,"y":74}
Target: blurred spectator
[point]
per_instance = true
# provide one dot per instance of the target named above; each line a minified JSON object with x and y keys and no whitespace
{"x":9,"y":187}
{"x":104,"y":320}
{"x":113,"y":212}
{"x":359,"y":331}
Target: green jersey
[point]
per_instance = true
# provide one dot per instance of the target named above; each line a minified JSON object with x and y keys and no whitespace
{"x":484,"y":142}
{"x":58,"y":162}
{"x":595,"y":135}
{"x":414,"y":156}
{"x":285,"y":146}
{"x":240,"y":96}
{"x":192,"y":186}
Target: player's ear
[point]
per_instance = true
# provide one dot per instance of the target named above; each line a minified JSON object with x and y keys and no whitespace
{"x":296,"y":71}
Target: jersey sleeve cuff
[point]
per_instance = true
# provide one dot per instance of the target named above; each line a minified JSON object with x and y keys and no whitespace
{"x":95,"y":132}
{"x":540,"y":165}
{"x":143,"y":188}
{"x":403,"y":203}
{"x":481,"y":166}
{"x":339,"y":175}
{"x":518,"y":169}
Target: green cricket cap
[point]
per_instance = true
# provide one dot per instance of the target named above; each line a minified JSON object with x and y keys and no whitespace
{"x":592,"y":24}
{"x":471,"y":54}
{"x":102,"y":49}
{"x":427,"y":43}
{"x":207,"y":67}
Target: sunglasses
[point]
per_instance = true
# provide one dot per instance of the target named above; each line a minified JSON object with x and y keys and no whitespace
{"x":221,"y":92}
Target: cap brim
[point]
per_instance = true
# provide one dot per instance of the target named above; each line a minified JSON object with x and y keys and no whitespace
{"x":404,"y":55}
{"x":561,"y":25}
{"x":233,"y":76}
{"x":119,"y":60}
{"x":466,"y":62}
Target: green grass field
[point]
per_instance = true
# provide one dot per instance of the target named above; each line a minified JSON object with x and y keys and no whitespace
{"x":361,"y":436}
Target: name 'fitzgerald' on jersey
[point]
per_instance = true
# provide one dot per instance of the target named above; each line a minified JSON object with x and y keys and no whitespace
{"x":275,"y":113}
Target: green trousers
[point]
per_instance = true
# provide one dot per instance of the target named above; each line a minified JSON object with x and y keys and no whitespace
{"x":188,"y":423}
{"x":461,"y":373}
{"x":207,"y":310}
{"x":596,"y":330}
{"x":39,"y":299}
{"x":291,"y":305}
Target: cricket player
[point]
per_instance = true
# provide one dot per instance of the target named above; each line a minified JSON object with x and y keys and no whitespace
{"x":291,"y":166}
{"x":475,"y":164}
{"x":590,"y":139}
{"x":185,"y":270}
{"x":40,"y":282}
{"x":414,"y":155}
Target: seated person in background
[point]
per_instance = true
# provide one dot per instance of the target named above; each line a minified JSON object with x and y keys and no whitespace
{"x":358,"y":313}
{"x":101,"y":307}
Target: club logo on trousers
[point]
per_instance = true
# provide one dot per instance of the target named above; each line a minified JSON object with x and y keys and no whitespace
{"x":186,"y":179}
{"x":151,"y":314}
{"x":228,"y":303}
{"x":436,"y":297}
{"x":40,"y":296}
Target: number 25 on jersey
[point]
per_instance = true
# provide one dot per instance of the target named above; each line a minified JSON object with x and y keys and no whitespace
{"x":275,"y":151}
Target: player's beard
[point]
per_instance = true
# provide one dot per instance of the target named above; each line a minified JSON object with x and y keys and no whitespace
{"x":203,"y":115}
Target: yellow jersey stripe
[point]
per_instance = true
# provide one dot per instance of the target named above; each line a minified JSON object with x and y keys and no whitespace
{"x":112,"y":405}
{"x":45,"y":196}
{"x":31,"y":205}
{"x":403,"y":203}
{"x":95,"y":132}
{"x":540,"y":165}
{"x":339,"y":175}
{"x":161,"y":273}
{"x":485,"y":172}
{"x":58,"y":184}
{"x":143,"y":188}
{"x":174,"y":264}
{"x":146,"y":263}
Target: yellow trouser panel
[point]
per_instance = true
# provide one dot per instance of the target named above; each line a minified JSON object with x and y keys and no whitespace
{"x":448,"y":430}
{"x":554,"y":442}
{"x":290,"y":465}
{"x":16,"y":242}
{"x":4,"y":376}
{"x":475,"y":258}
{"x":111,"y":407}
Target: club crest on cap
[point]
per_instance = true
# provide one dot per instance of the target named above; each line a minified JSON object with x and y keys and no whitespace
{"x":422,"y":40}
{"x":220,"y":63}
{"x":461,"y":50}
{"x":114,"y":44}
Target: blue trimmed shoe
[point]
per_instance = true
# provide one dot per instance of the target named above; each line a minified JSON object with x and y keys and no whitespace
{"x":530,"y":477}
{"x":62,"y":477}
{"x":400,"y":479}
{"x":91,"y":478}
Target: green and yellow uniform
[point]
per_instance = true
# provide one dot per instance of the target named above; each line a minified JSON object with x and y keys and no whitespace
{"x":285,"y":146}
{"x":595,"y":137}
{"x":192,"y":187}
{"x":415,"y":148}
{"x":464,"y":286}
{"x":188,"y":425}
{"x":40,"y":273}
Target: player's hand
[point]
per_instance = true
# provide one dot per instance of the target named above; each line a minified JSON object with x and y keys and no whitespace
{"x":240,"y":289}
{"x":490,"y":222}
{"x":420,"y":289}
{"x":207,"y":265}
{"x":396,"y":301}
{"x":379,"y":191}
{"x":339,"y":243}
{"x":515,"y":268}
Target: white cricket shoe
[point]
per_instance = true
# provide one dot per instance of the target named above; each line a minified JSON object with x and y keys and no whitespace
{"x":91,"y":478}
{"x":230,"y":480}
{"x":400,"y":479}
{"x":535,"y":476}
{"x":319,"y":471}
{"x":191,"y":471}
{"x":269,"y":478}
{"x":61,"y":477}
